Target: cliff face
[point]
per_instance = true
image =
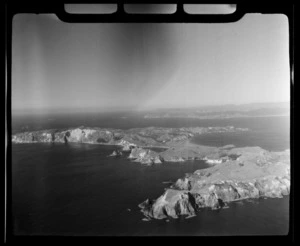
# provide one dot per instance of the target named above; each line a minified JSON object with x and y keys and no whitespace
{"x":263,"y":174}
{"x":77,"y":135}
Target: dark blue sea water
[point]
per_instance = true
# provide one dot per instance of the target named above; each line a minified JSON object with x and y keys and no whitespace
{"x":75,"y":189}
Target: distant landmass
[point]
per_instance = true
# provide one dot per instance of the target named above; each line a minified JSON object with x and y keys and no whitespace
{"x":234,"y":110}
{"x":223,"y":111}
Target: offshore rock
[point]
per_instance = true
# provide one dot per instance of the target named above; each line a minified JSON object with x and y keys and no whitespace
{"x":116,"y":153}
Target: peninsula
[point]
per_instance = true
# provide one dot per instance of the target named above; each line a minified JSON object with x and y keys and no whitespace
{"x":251,"y":173}
{"x":142,"y":143}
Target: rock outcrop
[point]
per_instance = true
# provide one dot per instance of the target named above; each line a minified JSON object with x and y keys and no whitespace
{"x":145,"y":156}
{"x":126,"y":146}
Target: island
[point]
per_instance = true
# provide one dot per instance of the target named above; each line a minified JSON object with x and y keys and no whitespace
{"x":234,"y":173}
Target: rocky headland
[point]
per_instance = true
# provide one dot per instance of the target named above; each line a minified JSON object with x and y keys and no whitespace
{"x":251,"y":173}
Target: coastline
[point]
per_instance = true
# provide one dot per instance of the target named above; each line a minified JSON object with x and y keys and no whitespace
{"x":234,"y":173}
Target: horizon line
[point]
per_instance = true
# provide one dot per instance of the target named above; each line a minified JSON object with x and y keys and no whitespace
{"x":116,"y":109}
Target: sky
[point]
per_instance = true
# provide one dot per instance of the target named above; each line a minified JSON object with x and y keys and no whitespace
{"x":138,"y":66}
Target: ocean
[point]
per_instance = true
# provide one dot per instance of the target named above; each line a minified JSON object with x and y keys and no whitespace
{"x":75,"y":189}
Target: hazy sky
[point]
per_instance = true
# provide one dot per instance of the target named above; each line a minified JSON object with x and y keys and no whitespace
{"x":139,"y":66}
